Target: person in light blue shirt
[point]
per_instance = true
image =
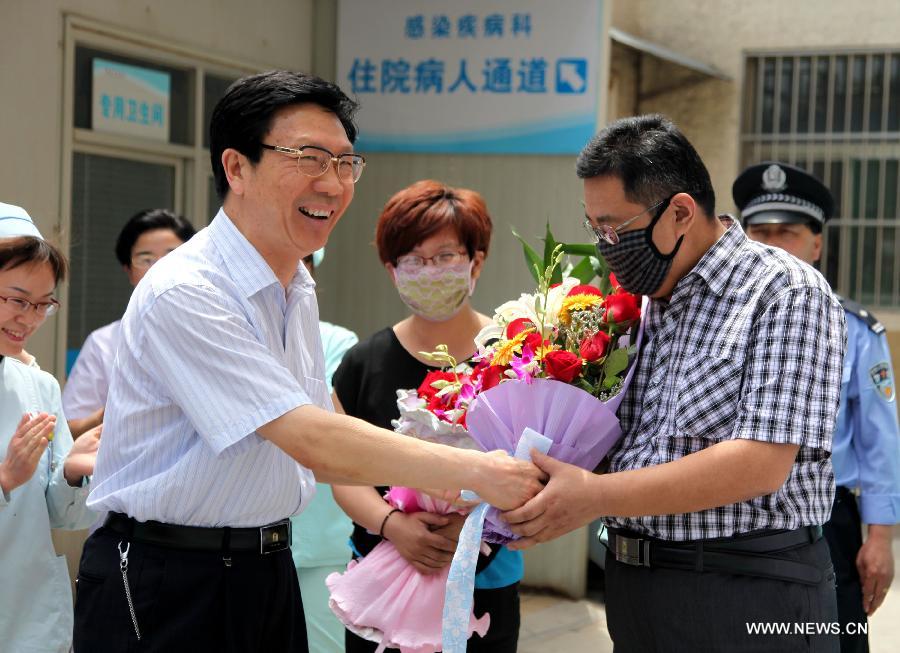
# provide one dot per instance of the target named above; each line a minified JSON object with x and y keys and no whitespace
{"x":785,"y":207}
{"x":321,"y":531}
{"x":43,"y":477}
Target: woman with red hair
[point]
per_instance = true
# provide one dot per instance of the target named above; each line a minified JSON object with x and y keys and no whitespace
{"x":433,"y":240}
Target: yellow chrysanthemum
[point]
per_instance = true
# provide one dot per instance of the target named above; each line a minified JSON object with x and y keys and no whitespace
{"x":505,"y":350}
{"x":543,"y":351}
{"x":575,"y":303}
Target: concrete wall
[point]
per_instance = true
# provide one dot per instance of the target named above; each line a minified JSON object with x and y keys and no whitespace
{"x":719,"y":32}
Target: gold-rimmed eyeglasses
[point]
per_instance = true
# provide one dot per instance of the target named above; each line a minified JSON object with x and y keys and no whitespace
{"x":313,"y":161}
{"x":609,"y":233}
{"x":21,"y":306}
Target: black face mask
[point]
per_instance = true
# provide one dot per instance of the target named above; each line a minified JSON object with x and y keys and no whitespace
{"x":639,"y":267}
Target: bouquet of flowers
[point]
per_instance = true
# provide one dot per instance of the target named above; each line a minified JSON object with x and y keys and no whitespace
{"x":556,"y":361}
{"x":549,"y":372}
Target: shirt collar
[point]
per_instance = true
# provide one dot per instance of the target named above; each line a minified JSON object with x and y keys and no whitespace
{"x":715,"y":267}
{"x":246,"y":266}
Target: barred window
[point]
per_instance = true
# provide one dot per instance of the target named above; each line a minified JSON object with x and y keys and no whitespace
{"x":837,"y":114}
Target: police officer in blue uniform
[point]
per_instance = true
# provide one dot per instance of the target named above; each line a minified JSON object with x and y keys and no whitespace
{"x":784,"y":206}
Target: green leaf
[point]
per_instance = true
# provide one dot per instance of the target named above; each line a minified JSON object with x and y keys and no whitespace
{"x":609,"y":382}
{"x":532,"y":260}
{"x":601,"y":269}
{"x":616,"y":362}
{"x":585,"y":385}
{"x":550,"y":252}
{"x":584,"y":271}
{"x":579,"y":249}
{"x":549,"y":246}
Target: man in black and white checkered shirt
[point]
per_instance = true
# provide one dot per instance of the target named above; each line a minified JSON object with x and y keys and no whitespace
{"x":718,"y":489}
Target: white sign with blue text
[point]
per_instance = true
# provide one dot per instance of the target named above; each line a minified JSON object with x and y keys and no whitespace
{"x":472,"y":75}
{"x":130,"y":100}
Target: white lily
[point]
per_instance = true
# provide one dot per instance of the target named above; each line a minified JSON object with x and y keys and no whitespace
{"x":492,"y":331}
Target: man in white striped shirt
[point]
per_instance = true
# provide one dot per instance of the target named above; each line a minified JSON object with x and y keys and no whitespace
{"x":218,"y":393}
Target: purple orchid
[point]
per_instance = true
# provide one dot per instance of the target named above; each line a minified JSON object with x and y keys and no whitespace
{"x":525,"y":366}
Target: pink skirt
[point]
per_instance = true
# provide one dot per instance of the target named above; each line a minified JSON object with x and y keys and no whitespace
{"x":382,"y":598}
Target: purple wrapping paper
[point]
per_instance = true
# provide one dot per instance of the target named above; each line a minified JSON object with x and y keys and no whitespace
{"x":583,"y":428}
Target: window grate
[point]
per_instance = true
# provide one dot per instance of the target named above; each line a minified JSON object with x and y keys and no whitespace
{"x":837,"y":114}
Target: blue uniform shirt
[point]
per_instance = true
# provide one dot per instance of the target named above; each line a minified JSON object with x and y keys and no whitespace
{"x":866,"y":447}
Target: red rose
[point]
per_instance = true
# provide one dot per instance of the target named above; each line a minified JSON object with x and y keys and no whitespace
{"x":584,"y":289}
{"x":517,"y":326}
{"x":614,"y":282}
{"x":532,"y":341}
{"x":562,"y":365}
{"x":622,"y":308}
{"x":491,"y":376}
{"x":436,"y":404}
{"x":595,"y":347}
{"x":426,"y":391}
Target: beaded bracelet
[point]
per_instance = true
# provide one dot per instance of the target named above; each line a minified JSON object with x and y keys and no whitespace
{"x":384,"y":521}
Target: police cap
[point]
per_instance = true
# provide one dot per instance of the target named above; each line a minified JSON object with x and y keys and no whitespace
{"x":778,"y":193}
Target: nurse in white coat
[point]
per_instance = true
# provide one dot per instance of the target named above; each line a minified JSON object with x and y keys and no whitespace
{"x":43,"y":477}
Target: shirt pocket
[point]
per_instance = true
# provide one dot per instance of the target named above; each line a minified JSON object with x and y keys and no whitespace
{"x":708,"y":396}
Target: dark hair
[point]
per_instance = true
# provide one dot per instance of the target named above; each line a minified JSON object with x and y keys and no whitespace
{"x":653,"y":159}
{"x":26,"y":250}
{"x":150,"y":220}
{"x":421,"y":210}
{"x":243,"y":116}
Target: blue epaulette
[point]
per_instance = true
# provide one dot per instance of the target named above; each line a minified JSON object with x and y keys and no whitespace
{"x":860,"y":311}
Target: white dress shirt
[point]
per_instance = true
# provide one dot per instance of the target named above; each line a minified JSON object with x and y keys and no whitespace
{"x":212,"y":347}
{"x":88,"y":383}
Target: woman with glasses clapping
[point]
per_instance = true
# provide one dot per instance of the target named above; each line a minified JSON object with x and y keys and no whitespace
{"x":43,"y":477}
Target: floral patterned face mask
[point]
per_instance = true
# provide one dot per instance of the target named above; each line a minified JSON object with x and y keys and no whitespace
{"x":435,"y":293}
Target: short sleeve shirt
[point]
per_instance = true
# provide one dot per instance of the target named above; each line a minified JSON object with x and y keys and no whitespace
{"x":749,"y":346}
{"x":88,"y":382}
{"x":212,"y":347}
{"x":866,"y":436}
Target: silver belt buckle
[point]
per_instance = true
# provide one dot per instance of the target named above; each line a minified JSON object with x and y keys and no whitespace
{"x":275,"y":537}
{"x":633,"y":551}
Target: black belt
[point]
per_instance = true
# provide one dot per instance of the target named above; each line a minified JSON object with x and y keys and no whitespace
{"x":264,"y":539}
{"x":844,"y":493}
{"x":754,"y":554}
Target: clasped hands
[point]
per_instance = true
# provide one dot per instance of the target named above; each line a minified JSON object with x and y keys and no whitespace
{"x":30,"y":441}
{"x":554,"y":498}
{"x":566,"y":502}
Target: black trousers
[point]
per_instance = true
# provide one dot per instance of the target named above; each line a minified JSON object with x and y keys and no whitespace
{"x":669,"y":610}
{"x":844,"y":535}
{"x":502,"y":635}
{"x":197,"y":602}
